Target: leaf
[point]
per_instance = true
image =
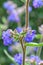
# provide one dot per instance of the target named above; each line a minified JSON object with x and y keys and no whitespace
{"x":34,"y":44}
{"x":4,"y":20}
{"x":3,"y":27}
{"x":23,"y":33}
{"x":16,"y":37}
{"x":27,"y":63}
{"x":38,"y":36}
{"x":23,"y":1}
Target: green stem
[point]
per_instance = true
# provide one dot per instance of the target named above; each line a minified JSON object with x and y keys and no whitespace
{"x":24,"y":49}
{"x":23,"y":56}
{"x":40,"y":48}
{"x":10,"y":57}
{"x":27,"y":14}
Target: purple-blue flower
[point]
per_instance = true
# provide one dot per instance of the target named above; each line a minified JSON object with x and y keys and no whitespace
{"x":7,"y":39}
{"x":35,"y":49}
{"x":7,"y":4}
{"x":19,"y":29}
{"x":37,"y":3}
{"x":14,"y":16}
{"x":10,"y":48}
{"x":18,"y":58}
{"x":10,"y":8}
{"x":29,"y":8}
{"x":36,"y":58}
{"x":30,"y":36}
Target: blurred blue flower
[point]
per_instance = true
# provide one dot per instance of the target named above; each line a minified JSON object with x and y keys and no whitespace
{"x":7,"y":39}
{"x":7,"y":4}
{"x":10,"y":8}
{"x":18,"y":58}
{"x":14,"y":16}
{"x":30,"y":36}
{"x":37,"y":3}
{"x":35,"y":49}
{"x":36,"y":58}
{"x":29,"y":8}
{"x":19,"y":29}
{"x":10,"y":49}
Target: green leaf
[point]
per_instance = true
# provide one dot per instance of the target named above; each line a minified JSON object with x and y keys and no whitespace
{"x":23,"y":1}
{"x":4,"y":20}
{"x":16,"y":37}
{"x":38,"y":36}
{"x":3,"y":27}
{"x":27,"y":63}
{"x":34,"y":44}
{"x":23,"y":33}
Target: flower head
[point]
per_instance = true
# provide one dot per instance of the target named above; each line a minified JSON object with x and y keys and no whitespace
{"x":18,"y":58}
{"x":19,"y":29}
{"x":37,"y":3}
{"x":35,"y":58}
{"x":30,"y":36}
{"x":14,"y":16}
{"x":7,"y":39}
{"x":12,"y":11}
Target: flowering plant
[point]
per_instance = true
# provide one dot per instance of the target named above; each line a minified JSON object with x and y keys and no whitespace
{"x":22,"y":35}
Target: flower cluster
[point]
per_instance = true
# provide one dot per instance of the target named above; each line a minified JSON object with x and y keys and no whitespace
{"x":37,"y":3}
{"x":18,"y":58}
{"x":36,"y":59}
{"x":30,"y":36}
{"x":11,"y":9}
{"x":33,"y":59}
{"x":7,"y":39}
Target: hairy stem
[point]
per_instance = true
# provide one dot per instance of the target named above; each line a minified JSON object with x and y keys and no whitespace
{"x":27,"y":14}
{"x":23,"y":49}
{"x":24,"y":55}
